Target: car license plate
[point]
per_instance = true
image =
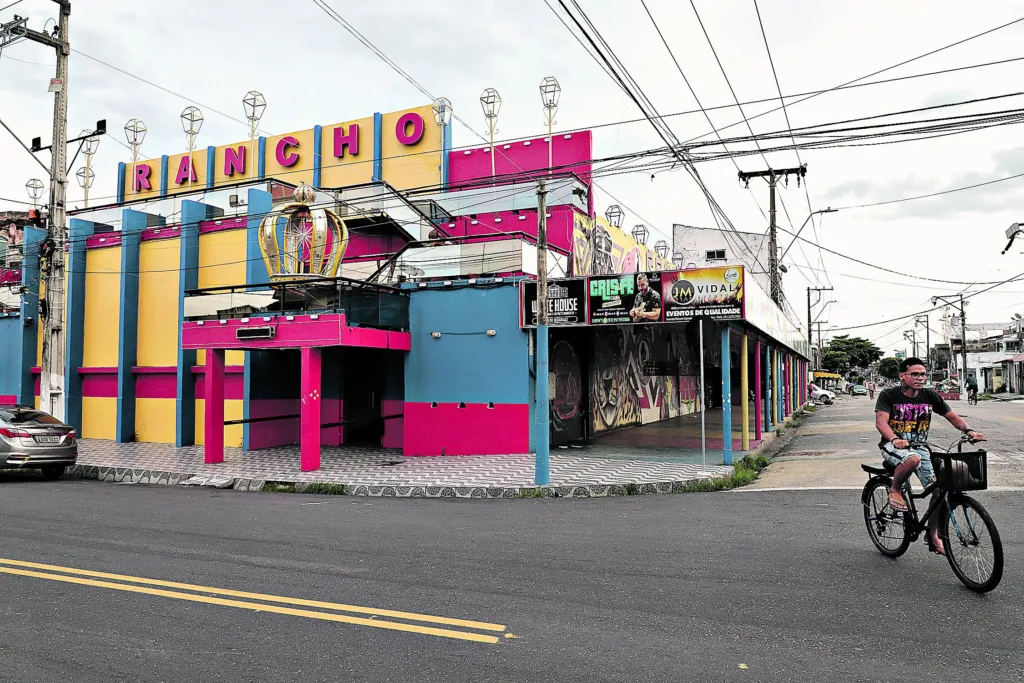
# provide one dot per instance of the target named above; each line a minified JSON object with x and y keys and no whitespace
{"x":48,"y":439}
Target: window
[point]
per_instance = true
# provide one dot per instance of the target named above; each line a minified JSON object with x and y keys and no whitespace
{"x":715,"y":255}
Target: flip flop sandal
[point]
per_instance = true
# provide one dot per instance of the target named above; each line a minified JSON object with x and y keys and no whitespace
{"x":932,"y":548}
{"x":898,"y":507}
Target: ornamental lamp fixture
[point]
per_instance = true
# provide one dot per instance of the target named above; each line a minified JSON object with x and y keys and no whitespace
{"x":661,"y":247}
{"x":34,"y":187}
{"x":640,"y":233}
{"x":490,"y":102}
{"x":614,"y":215}
{"x":442,"y":109}
{"x":677,"y":259}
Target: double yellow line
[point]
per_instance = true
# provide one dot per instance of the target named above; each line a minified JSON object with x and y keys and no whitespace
{"x":205,"y":594}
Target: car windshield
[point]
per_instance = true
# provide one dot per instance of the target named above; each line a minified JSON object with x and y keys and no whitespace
{"x":27,"y":416}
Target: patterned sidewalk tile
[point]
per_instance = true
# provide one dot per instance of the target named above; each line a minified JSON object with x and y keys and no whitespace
{"x":368,"y":471}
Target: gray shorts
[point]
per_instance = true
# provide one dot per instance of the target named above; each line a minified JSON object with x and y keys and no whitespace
{"x":895,"y":457}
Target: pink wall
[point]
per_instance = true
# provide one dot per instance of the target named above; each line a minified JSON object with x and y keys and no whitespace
{"x":559,"y":233}
{"x":285,"y":432}
{"x":302,"y":331}
{"x":473,"y":430}
{"x":523,"y":156}
{"x":394,"y":429}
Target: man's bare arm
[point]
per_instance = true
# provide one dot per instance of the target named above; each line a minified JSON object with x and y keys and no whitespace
{"x":962,"y":425}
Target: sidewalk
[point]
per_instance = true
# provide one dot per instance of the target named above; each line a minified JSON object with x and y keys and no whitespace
{"x":367,"y":471}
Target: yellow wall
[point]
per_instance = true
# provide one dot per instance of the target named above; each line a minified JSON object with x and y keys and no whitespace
{"x":155,"y":419}
{"x":350,"y":169}
{"x":302,"y":171}
{"x":419,"y":165}
{"x":154,"y":179}
{"x":102,"y":304}
{"x":99,"y":418}
{"x":232,"y":433}
{"x":221,"y":263}
{"x":159,"y":261}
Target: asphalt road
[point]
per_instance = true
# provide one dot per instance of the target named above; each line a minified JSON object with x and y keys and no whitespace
{"x":741,"y":586}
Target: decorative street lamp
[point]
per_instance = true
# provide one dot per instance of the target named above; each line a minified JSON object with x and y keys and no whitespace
{"x":677,"y":259}
{"x":85,"y":174}
{"x":254,"y":104}
{"x":614,"y":215}
{"x":490,"y":101}
{"x":640,"y":233}
{"x":550,"y":91}
{"x":442,"y":109}
{"x":191,"y":123}
{"x":661,"y":247}
{"x":135,"y":133}
{"x":34,"y":188}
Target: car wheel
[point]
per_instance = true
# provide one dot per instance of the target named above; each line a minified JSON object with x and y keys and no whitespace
{"x":53,"y":472}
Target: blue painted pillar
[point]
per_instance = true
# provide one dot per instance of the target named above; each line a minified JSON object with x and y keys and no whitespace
{"x":726,"y":396}
{"x":378,"y":154}
{"x":260,"y":204}
{"x":29,"y":310}
{"x":769,"y":393}
{"x":80,"y":231}
{"x":542,"y":410}
{"x":780,"y":415}
{"x":192,"y":213}
{"x":132,"y":225}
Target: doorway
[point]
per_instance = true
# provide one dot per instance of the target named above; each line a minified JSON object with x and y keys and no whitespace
{"x":363,"y":391}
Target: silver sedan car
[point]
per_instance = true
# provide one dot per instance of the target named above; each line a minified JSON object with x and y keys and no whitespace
{"x":31,"y":439}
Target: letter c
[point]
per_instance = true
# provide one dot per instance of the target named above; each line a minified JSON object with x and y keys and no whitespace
{"x":284,"y":157}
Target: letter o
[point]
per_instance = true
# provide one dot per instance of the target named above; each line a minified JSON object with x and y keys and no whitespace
{"x":417,"y":128}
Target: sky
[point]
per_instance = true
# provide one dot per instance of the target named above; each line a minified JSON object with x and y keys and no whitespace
{"x":312,"y":71}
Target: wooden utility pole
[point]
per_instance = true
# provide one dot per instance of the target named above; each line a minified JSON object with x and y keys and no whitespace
{"x":809,"y":321}
{"x":773,"y":176}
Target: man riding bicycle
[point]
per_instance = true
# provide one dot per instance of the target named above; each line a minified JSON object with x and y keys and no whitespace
{"x":972,"y":388}
{"x":902,"y":416}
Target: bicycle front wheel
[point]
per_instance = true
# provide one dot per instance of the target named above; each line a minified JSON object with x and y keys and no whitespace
{"x":973,"y":547}
{"x":886,"y":527}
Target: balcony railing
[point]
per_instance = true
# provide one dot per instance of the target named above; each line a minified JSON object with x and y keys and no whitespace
{"x":364,"y":305}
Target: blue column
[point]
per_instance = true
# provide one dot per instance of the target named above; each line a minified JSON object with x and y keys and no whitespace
{"x":211,"y":165}
{"x":261,"y":161}
{"x":318,"y":157}
{"x":29,"y":310}
{"x":75,"y":315}
{"x":769,"y":393}
{"x":132,"y":225}
{"x":163,"y":176}
{"x":192,"y":213}
{"x":121,"y":169}
{"x":378,"y":138}
{"x":260,"y":204}
{"x":542,"y":411}
{"x":446,"y":150}
{"x":726,"y":396}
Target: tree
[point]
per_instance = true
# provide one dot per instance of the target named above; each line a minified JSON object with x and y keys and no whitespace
{"x":889,"y":368}
{"x":836,"y":361}
{"x":860,"y":352}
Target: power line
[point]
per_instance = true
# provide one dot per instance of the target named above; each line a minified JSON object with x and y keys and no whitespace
{"x":933,"y":194}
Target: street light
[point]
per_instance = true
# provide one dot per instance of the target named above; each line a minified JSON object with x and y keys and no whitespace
{"x":640,"y":233}
{"x":490,"y":102}
{"x":442,"y":109}
{"x":614,"y":215}
{"x":661,"y":247}
{"x":254,"y":105}
{"x":677,"y":259}
{"x":550,"y":91}
{"x":811,"y":215}
{"x":135,"y":133}
{"x":191,"y":123}
{"x":85,"y":174}
{"x":1011,"y":234}
{"x":34,"y":187}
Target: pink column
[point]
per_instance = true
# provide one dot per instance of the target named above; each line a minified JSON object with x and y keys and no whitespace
{"x":788,"y":391}
{"x":213,"y":395}
{"x":758,"y":410}
{"x":309,"y":434}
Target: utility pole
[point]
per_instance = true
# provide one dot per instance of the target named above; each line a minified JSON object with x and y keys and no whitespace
{"x":51,"y":397}
{"x":950,"y":301}
{"x":821,"y":351}
{"x":924,"y":319}
{"x":541,"y":439}
{"x":911,"y":336}
{"x":809,"y":321}
{"x":773,"y":256}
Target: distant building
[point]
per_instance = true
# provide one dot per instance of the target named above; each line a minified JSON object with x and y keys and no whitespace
{"x":709,"y":247}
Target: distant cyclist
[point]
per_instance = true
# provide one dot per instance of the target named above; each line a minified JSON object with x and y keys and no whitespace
{"x":903,"y":415}
{"x":972,"y":388}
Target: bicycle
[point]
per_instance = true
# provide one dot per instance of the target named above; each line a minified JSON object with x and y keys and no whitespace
{"x":972,"y":397}
{"x":967,"y":527}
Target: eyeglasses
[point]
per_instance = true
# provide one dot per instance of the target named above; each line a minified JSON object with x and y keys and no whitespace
{"x":916,"y":374}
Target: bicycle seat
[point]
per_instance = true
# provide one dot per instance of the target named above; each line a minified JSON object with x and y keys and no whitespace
{"x":885,"y":469}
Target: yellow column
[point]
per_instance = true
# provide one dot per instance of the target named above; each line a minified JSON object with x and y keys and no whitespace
{"x":745,"y":394}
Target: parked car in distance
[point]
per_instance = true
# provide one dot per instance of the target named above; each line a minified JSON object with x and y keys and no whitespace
{"x":859,"y":390}
{"x":31,"y":439}
{"x":823,"y":395}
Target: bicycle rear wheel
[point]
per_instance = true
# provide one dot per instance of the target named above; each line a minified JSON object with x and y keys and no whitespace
{"x":973,"y":547}
{"x":886,"y":527}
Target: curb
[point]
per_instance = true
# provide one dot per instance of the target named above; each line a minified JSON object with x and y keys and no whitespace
{"x":127,"y":475}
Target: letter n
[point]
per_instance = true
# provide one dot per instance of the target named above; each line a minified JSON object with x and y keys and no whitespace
{"x":234,"y":160}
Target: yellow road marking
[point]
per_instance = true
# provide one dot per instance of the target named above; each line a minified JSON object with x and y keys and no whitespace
{"x":411,"y":616}
{"x":256,"y":607}
{"x":1010,"y":417}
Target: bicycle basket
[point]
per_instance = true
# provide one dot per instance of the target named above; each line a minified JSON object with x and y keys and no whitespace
{"x":961,"y":471}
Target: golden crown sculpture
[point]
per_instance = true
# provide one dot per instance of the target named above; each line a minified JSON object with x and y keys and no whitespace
{"x":314,"y":240}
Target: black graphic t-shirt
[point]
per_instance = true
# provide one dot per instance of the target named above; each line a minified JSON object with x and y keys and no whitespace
{"x":647,"y":301}
{"x":910,"y":417}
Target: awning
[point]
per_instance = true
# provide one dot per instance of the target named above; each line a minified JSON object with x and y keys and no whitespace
{"x":818,"y":374}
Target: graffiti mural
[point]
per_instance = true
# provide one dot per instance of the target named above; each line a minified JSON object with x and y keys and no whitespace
{"x":567,"y":400}
{"x":598,"y":248}
{"x":638,"y":376}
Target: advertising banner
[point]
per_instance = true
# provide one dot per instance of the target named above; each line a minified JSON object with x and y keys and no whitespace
{"x":622,"y":299}
{"x":567,"y":302}
{"x":714,"y":292}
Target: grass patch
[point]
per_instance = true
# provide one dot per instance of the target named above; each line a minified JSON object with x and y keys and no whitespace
{"x":531,"y":493}
{"x":278,"y":487}
{"x":810,"y":409}
{"x":745,"y":472}
{"x":325,"y":488}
